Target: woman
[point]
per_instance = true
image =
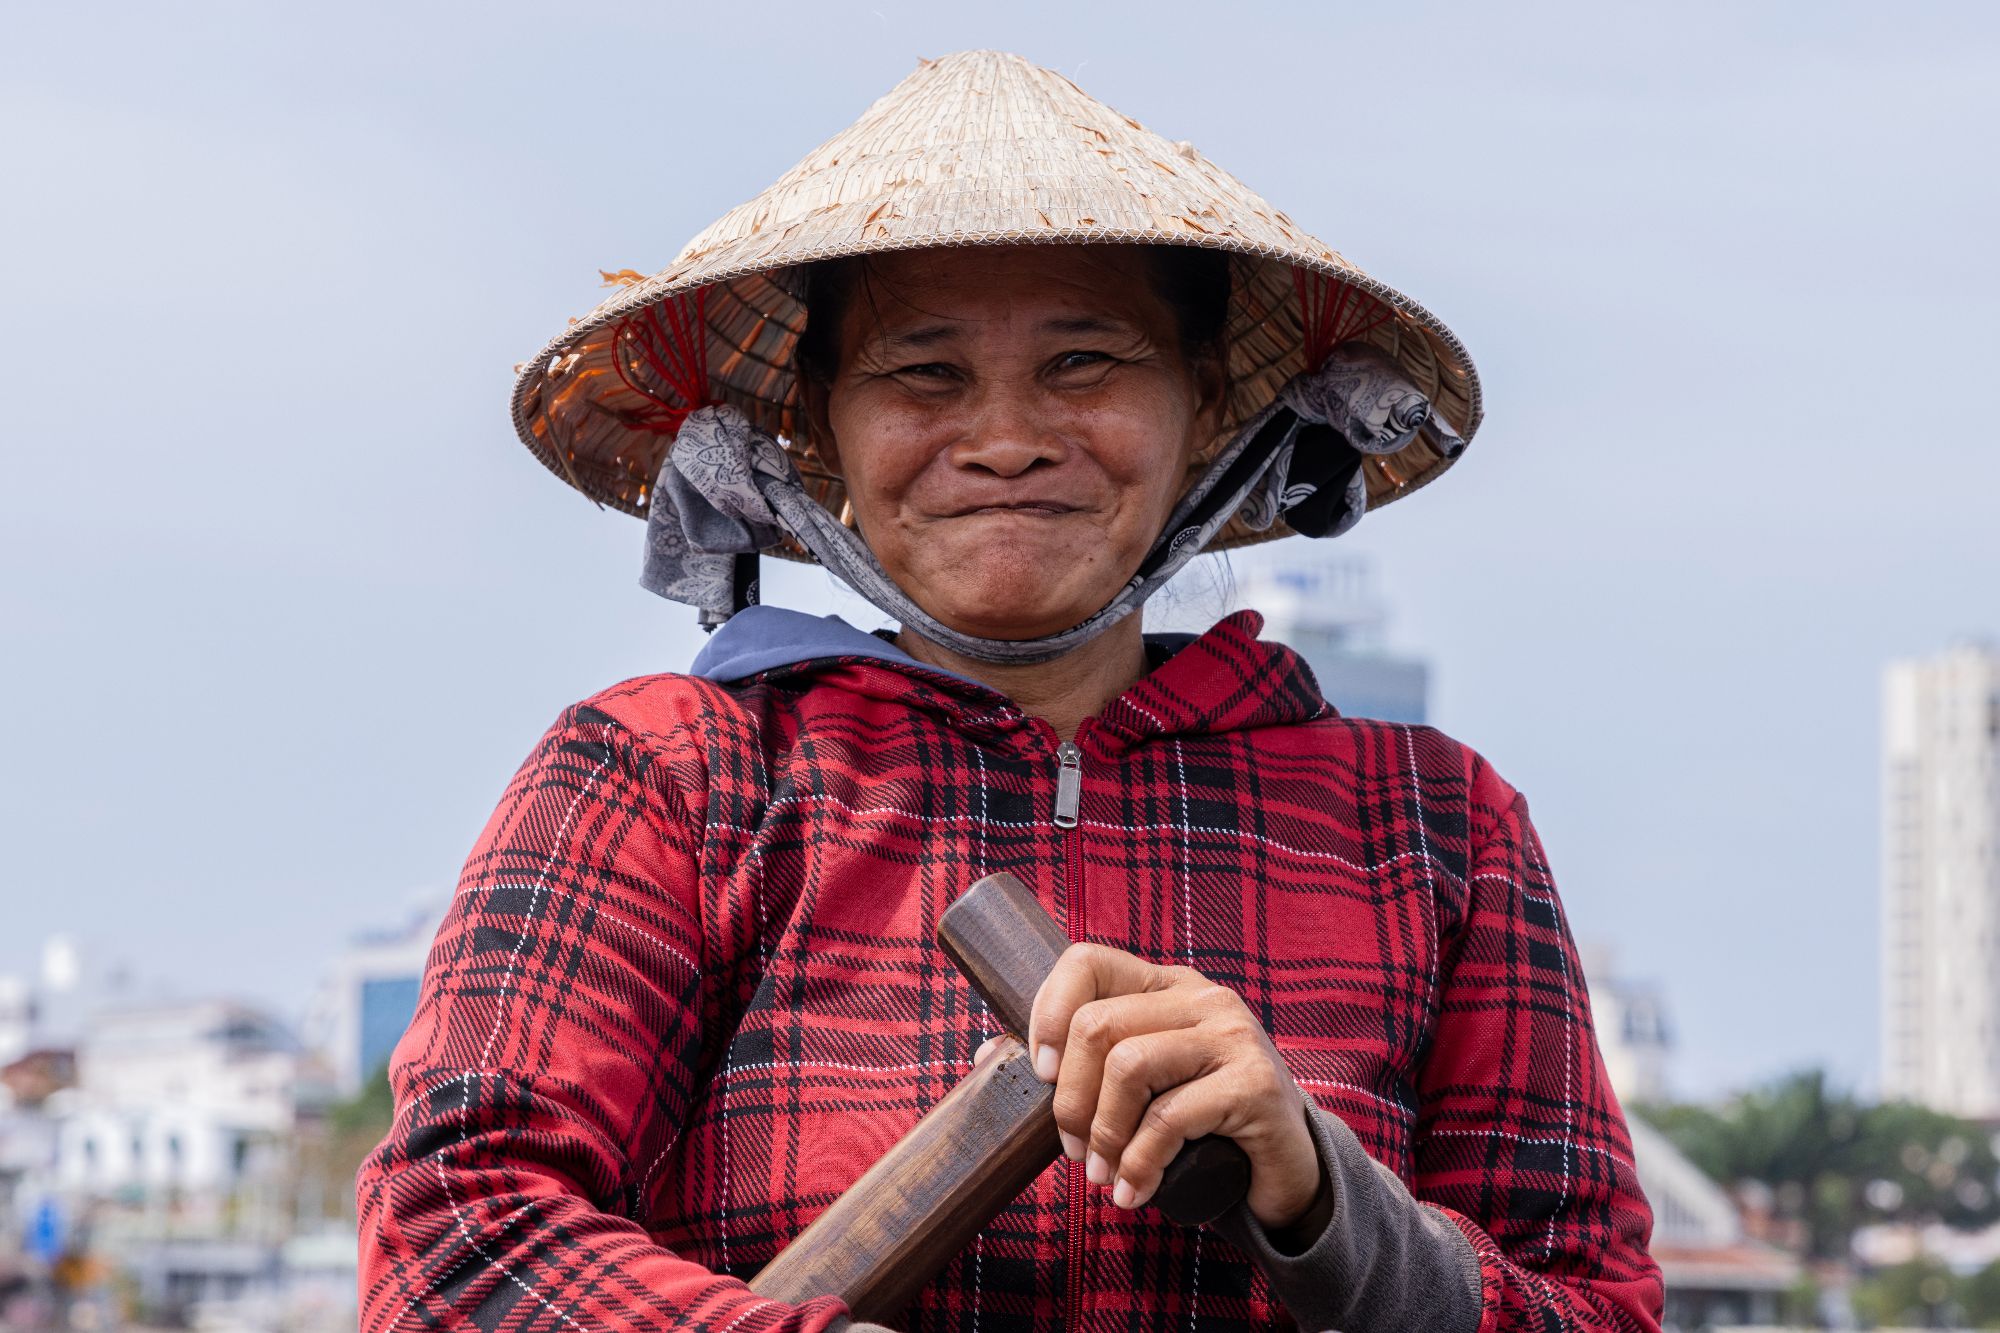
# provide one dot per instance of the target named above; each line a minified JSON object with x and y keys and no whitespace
{"x":688,"y":991}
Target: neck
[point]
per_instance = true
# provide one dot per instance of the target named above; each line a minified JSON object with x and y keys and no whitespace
{"x":1062,"y":692}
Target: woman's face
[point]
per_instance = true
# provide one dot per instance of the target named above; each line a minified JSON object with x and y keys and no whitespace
{"x":1014,"y":425}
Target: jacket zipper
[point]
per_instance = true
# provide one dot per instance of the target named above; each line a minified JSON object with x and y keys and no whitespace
{"x":1069,"y":784}
{"x":1069,"y":796}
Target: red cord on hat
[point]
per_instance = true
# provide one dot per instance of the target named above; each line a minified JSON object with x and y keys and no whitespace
{"x":671,"y":338}
{"x":1333,"y":313}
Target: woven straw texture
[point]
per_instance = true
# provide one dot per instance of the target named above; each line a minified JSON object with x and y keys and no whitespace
{"x":976,"y":148}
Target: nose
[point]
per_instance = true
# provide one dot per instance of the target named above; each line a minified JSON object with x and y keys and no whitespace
{"x":1008,"y":433}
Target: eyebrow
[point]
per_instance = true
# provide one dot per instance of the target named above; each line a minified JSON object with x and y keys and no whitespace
{"x":1085,"y":324}
{"x":930,"y":335}
{"x":924,"y":335}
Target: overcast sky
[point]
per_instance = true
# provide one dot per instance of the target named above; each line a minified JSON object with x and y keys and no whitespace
{"x":284,"y":603}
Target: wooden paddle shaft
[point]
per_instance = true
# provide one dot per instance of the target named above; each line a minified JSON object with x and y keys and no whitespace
{"x":897,"y":1227}
{"x":1006,"y":943}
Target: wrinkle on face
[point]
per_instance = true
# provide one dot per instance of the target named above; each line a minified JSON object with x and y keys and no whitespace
{"x":1014,"y":425}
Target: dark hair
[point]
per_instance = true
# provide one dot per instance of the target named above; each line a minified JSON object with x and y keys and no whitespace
{"x":1194,"y":282}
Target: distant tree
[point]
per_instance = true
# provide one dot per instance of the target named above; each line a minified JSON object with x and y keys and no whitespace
{"x":1834,"y":1164}
{"x":1979,"y":1297}
{"x":1928,"y":1166}
{"x":369,"y":1112}
{"x":1918,"y":1294}
{"x":330,"y":1152}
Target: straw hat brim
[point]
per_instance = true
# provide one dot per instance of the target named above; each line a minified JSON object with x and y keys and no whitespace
{"x":597,"y":404}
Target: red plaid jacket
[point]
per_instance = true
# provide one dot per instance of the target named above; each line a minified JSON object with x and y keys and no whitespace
{"x":688,"y":992}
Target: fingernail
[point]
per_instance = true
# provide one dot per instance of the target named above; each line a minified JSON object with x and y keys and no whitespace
{"x":1072,"y":1145}
{"x":1097,"y":1170}
{"x":1122,"y":1196}
{"x":1046,"y":1063}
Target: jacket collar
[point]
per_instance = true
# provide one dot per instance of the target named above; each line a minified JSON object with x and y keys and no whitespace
{"x":1224,"y":680}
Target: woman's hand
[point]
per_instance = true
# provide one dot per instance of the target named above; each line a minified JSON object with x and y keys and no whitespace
{"x":1146,"y":1057}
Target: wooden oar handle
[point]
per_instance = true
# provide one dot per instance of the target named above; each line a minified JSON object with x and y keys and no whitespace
{"x":897,"y":1227}
{"x":917,"y":1208}
{"x":1006,"y":943}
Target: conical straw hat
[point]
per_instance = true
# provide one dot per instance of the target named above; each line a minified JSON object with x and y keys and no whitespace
{"x":976,"y":148}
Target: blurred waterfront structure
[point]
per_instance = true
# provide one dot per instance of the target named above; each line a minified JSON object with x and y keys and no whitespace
{"x":177,"y":1099}
{"x":17,"y":1019}
{"x":1325,"y":609}
{"x":1630,"y":1017}
{"x":370,"y":996}
{"x":1941,"y":882}
{"x":176,"y":1142}
{"x":1328,"y":614}
{"x":1716,"y":1275}
{"x":1964,"y":1252}
{"x":153,"y":1172}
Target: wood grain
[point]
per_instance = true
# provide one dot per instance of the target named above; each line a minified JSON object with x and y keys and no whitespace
{"x":911,"y":1213}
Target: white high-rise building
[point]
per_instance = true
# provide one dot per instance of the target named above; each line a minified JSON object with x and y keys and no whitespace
{"x":1941,"y":882}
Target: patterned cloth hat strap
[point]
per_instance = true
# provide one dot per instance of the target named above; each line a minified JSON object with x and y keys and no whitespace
{"x":728,"y":490}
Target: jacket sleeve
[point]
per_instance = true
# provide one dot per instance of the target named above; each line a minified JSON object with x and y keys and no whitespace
{"x":1368,"y":1257}
{"x":551,"y":1062}
{"x":1520,"y":1140}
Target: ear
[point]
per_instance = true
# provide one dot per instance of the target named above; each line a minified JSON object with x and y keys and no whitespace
{"x":820,"y":425}
{"x":1211,"y":377}
{"x":1211,"y":394}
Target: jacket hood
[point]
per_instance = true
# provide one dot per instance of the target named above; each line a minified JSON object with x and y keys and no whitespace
{"x":1226,"y":679}
{"x":763,"y":638}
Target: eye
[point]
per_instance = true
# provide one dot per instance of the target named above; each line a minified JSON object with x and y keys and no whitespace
{"x":1081,"y":360}
{"x":927,"y":370}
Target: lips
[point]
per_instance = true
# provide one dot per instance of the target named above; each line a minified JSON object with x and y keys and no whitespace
{"x":1038,"y":508}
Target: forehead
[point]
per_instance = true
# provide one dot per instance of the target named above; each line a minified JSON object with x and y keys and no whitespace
{"x":1008,"y":285}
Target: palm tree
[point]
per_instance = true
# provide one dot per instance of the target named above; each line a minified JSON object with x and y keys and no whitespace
{"x":1833,"y":1164}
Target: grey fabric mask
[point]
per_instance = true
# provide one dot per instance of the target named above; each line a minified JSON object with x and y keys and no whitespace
{"x":728,"y":490}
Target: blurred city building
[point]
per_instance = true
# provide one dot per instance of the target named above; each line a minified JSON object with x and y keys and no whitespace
{"x":1963,"y":1251}
{"x":1716,"y":1275}
{"x":158,"y":1160}
{"x":187,"y":1162}
{"x":1327,"y":612}
{"x":370,"y":996}
{"x":17,"y":1019}
{"x":29,"y":1081}
{"x":36,"y":1068}
{"x":1632,"y":1031}
{"x":1941,"y":882}
{"x":176,"y":1098}
{"x":1325,"y":609}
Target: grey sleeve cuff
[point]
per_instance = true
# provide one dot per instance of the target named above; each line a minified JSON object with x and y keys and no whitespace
{"x":845,"y":1325}
{"x":1383,"y":1263}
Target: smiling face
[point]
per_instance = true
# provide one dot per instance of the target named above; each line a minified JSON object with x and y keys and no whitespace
{"x":1014,"y":425}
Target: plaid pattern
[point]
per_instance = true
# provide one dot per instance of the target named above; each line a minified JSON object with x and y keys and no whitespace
{"x":688,"y":992}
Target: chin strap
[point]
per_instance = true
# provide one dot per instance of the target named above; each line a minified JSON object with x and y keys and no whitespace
{"x":727,"y":491}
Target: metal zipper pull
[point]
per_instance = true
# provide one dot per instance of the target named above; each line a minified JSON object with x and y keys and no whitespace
{"x":1069,"y":783}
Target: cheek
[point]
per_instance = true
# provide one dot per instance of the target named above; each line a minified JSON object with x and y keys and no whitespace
{"x":882,"y":452}
{"x":1146,"y":457}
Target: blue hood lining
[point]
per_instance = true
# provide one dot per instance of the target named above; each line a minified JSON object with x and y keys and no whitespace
{"x":761,"y":638}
